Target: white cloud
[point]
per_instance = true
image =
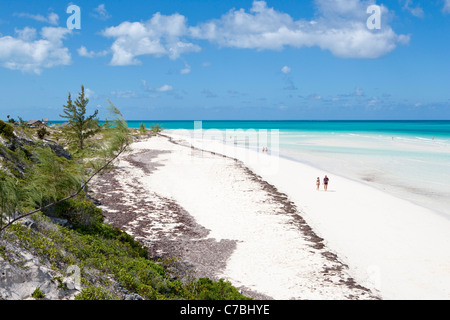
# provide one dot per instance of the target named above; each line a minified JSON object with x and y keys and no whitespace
{"x":84,"y":52}
{"x":125,"y":94}
{"x":163,"y":88}
{"x":52,"y":18}
{"x":358,"y":92}
{"x":340,"y":27}
{"x":101,"y":13}
{"x":314,"y":96}
{"x":90,"y":94}
{"x":26,"y":34}
{"x":290,"y":85}
{"x":416,"y":11}
{"x":285,"y":69}
{"x":28,"y":54}
{"x":160,"y":36}
{"x":446,"y":8}
{"x":186,"y":69}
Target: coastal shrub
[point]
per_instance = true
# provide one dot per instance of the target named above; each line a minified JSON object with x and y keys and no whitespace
{"x":81,"y":213}
{"x":52,"y":177}
{"x":156,"y":128}
{"x":15,"y":161}
{"x":42,"y":132}
{"x":94,"y":293}
{"x":206,"y":289}
{"x":38,"y":294}
{"x":86,"y":218}
{"x":6,"y":130}
{"x":11,"y":120}
{"x":142,"y":129}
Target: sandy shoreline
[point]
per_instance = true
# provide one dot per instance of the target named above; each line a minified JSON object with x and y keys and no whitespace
{"x":264,"y":230}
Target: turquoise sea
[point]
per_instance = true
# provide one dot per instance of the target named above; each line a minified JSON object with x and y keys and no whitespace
{"x":409,"y":159}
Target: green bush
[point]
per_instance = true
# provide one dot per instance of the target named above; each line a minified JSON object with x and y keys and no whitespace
{"x":94,"y":293}
{"x":38,"y":294}
{"x":206,"y":289}
{"x":42,"y":132}
{"x":86,"y":218}
{"x":6,"y":130}
{"x":81,"y":213}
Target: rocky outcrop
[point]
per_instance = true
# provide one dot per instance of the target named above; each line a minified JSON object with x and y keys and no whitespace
{"x":58,"y":149}
{"x":21,"y":273}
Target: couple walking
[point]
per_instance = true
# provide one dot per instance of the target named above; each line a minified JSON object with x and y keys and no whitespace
{"x":325,"y":183}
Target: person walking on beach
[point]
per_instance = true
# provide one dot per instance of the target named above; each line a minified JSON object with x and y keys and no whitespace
{"x":318,"y":183}
{"x":325,"y":183}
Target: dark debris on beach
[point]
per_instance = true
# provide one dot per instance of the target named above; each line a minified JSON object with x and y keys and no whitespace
{"x":197,"y":255}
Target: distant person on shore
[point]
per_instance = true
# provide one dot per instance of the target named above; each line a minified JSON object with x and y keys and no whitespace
{"x":325,"y":183}
{"x":318,"y":183}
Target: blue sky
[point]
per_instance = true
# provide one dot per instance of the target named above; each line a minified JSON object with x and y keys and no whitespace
{"x":227,"y":60}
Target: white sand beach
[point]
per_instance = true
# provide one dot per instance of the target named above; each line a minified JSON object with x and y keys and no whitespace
{"x":261,"y":224}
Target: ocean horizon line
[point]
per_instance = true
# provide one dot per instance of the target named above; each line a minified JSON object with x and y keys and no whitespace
{"x":287,"y":120}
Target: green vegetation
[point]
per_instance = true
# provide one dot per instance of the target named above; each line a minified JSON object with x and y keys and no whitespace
{"x":49,"y":179}
{"x":38,"y":294}
{"x":8,"y":196}
{"x":112,"y":254}
{"x":11,"y":120}
{"x":142,"y":129}
{"x":95,"y":293}
{"x":156,"y":128}
{"x":38,"y":184}
{"x":42,"y":132}
{"x":81,"y":126}
{"x":6,"y":130}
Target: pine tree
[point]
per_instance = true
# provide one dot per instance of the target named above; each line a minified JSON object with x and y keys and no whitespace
{"x":81,"y":126}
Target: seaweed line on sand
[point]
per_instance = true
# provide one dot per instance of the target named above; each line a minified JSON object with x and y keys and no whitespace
{"x":168,"y":230}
